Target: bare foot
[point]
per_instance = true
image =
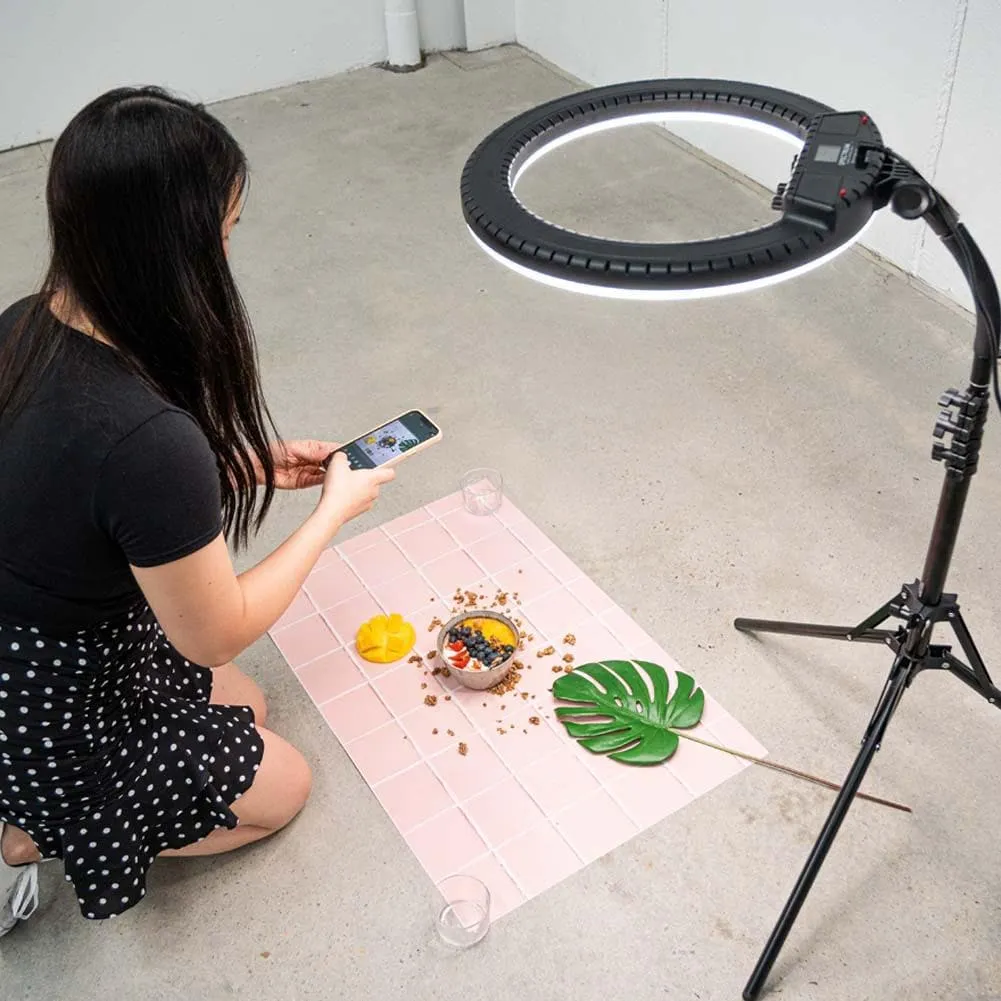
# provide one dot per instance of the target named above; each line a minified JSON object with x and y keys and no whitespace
{"x":17,"y":848}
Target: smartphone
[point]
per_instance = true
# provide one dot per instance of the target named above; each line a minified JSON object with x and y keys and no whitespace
{"x":387,"y":444}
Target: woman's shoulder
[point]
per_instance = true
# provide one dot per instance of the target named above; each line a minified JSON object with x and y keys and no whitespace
{"x":13,"y":313}
{"x":144,"y":418}
{"x":95,"y":391}
{"x":16,"y":308}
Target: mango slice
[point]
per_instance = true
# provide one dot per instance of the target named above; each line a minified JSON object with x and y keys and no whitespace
{"x":385,"y":638}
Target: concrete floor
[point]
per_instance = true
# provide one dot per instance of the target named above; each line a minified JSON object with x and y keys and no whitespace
{"x":765,"y":454}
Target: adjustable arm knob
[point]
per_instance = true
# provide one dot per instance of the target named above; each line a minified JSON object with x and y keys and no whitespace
{"x":945,"y":425}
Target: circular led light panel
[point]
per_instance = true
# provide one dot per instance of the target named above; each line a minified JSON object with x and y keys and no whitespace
{"x":824,"y":207}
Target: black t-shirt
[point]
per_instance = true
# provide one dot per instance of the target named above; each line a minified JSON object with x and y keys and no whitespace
{"x":96,"y":473}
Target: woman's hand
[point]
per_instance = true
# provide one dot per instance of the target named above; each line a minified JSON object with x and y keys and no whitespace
{"x":349,"y":492}
{"x":297,"y":463}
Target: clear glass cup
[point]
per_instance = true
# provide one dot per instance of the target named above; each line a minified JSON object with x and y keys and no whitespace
{"x":462,"y":916}
{"x":482,"y":491}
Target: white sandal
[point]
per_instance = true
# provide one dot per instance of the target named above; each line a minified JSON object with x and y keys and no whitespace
{"x":18,"y":891}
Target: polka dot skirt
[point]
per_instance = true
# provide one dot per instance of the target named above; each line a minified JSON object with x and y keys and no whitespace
{"x":110,"y":753}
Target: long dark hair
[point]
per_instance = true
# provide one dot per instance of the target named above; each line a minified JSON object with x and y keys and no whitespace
{"x":138,"y":188}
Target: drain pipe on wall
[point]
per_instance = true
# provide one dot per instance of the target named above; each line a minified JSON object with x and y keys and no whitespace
{"x":403,"y":36}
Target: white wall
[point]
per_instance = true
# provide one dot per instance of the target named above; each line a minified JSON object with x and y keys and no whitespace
{"x":598,"y":41}
{"x":55,"y":55}
{"x":969,"y":164}
{"x":488,"y":22}
{"x":926,"y":70}
{"x":442,"y":24}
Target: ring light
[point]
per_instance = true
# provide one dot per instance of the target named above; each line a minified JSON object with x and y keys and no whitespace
{"x":825,"y":206}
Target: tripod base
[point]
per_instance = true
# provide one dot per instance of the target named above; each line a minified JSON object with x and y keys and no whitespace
{"x":913,"y":653}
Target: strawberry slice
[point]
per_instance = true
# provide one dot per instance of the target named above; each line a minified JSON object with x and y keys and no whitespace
{"x":460,"y":660}
{"x":457,"y":645}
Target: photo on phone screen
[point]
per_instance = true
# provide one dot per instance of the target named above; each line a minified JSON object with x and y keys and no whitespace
{"x":389,"y":442}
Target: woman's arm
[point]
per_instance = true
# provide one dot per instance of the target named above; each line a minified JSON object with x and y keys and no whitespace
{"x":211,"y":615}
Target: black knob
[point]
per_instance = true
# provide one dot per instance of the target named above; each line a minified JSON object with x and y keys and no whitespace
{"x":911,"y":200}
{"x":945,"y":424}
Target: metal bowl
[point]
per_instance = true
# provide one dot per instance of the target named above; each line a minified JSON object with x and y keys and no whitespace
{"x":472,"y":678}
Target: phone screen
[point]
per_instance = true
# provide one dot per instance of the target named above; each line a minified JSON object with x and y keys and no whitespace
{"x":389,"y":441}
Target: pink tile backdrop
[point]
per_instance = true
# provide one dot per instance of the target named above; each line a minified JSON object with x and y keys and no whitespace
{"x":525,"y":806}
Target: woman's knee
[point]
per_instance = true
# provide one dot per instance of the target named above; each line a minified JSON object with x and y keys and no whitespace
{"x":298,"y":780}
{"x":281,"y":785}
{"x":16,"y":847}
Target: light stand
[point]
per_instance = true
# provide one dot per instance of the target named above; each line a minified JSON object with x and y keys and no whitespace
{"x":922,"y":604}
{"x":842,"y":174}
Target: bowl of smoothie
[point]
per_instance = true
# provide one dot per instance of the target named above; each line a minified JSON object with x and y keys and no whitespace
{"x":479,"y":647}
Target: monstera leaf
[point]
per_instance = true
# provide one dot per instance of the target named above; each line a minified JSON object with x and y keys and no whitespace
{"x":615,"y":713}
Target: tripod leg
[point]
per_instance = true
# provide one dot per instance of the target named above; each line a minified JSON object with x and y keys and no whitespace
{"x":877,"y":618}
{"x":864,"y":632}
{"x":892,"y":693}
{"x":977,"y":666}
{"x":814,"y":630}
